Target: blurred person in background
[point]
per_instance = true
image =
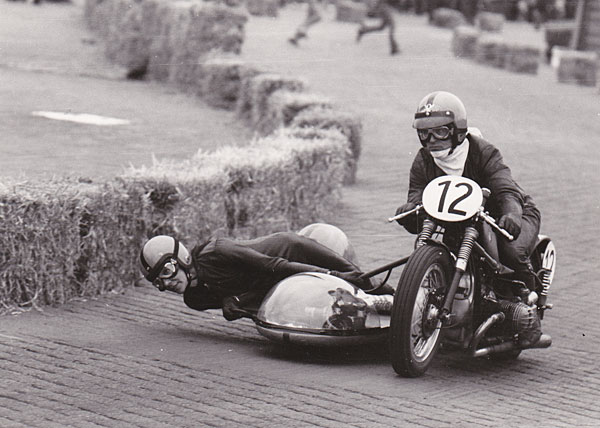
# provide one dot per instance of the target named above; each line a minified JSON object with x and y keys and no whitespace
{"x":381,"y":10}
{"x":312,"y":17}
{"x":228,"y":274}
{"x":450,"y":148}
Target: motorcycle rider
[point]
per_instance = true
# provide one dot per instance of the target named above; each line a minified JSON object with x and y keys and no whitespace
{"x":450,"y":149}
{"x":230,"y":274}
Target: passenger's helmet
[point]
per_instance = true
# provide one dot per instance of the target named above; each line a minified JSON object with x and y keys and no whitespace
{"x":160,"y":250}
{"x":442,"y":108}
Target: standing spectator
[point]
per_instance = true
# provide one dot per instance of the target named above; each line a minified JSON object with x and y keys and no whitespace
{"x":312,"y":17}
{"x":383,"y":11}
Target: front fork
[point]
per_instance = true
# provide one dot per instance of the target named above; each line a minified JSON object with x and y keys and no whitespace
{"x":469,"y":238}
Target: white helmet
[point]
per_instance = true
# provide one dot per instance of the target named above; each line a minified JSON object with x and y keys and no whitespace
{"x":441,"y":108}
{"x":160,"y":250}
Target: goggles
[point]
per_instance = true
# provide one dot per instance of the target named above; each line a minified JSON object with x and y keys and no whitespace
{"x":440,"y":133}
{"x":168,"y":271}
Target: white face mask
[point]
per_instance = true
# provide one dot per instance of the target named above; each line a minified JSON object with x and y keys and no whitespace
{"x":452,"y":164}
{"x":441,"y":154}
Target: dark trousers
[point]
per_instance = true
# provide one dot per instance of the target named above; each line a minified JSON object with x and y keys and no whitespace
{"x":515,"y":254}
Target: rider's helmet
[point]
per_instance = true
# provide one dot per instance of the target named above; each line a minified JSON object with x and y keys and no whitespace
{"x":162,"y":252}
{"x":441,"y":109}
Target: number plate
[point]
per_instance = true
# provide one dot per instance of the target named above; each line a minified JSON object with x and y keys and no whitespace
{"x":452,"y":198}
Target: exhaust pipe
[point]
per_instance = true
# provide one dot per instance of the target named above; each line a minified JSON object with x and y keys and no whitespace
{"x":482,"y":330}
{"x":544,"y":342}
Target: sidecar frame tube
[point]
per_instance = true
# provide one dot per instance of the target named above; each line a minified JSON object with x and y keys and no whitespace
{"x":323,"y":337}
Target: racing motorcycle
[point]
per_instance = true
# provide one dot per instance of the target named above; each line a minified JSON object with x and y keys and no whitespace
{"x":453,"y":289}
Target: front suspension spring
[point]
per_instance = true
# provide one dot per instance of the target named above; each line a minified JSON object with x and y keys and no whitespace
{"x":545,"y":283}
{"x":426,"y":231}
{"x":466,"y":247}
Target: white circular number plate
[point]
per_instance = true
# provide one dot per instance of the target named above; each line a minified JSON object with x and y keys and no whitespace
{"x":452,"y":198}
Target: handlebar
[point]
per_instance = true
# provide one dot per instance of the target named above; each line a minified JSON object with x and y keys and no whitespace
{"x":404,"y":214}
{"x":490,"y":220}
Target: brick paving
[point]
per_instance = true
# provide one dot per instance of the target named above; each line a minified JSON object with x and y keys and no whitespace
{"x":144,"y":360}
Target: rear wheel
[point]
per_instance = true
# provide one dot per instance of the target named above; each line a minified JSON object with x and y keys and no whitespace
{"x":415,"y":326}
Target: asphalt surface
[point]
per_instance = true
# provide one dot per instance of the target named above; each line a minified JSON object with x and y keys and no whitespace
{"x":144,"y":360}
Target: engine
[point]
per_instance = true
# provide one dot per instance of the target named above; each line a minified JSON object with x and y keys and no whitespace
{"x":522,"y":320}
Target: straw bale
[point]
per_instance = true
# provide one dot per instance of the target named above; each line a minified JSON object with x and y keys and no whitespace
{"x":111,"y":228}
{"x":350,"y":11}
{"x":490,"y":21}
{"x":99,"y":14}
{"x":182,"y":198}
{"x":125,"y":43}
{"x":575,"y":66}
{"x":243,"y":108}
{"x":39,"y":243}
{"x":262,"y":86}
{"x":283,"y":106}
{"x":447,"y":18}
{"x":222,"y":80}
{"x":349,"y":124}
{"x":200,"y":29}
{"x":263,"y":7}
{"x":464,"y":41}
{"x":491,"y":50}
{"x":282,"y":181}
{"x":558,"y":33}
{"x":522,"y":58}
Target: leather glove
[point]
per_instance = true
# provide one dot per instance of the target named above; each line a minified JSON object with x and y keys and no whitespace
{"x":353,"y":277}
{"x":404,"y":208}
{"x":511,"y":222}
{"x":231,"y":308}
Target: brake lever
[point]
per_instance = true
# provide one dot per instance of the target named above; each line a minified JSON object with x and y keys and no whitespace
{"x":490,"y":220}
{"x":405,"y":214}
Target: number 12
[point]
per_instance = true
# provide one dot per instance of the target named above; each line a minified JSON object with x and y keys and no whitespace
{"x":452,"y":208}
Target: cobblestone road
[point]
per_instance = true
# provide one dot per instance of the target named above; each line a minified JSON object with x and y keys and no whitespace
{"x":144,"y":360}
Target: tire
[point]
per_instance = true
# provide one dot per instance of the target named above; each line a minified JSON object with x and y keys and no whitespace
{"x":415,"y":331}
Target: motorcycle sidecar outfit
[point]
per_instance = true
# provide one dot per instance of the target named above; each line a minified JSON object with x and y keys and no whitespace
{"x":322,"y":310}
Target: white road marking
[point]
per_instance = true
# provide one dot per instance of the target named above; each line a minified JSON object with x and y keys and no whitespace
{"x":88,"y":119}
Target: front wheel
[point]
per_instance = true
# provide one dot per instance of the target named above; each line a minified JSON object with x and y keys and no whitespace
{"x":415,"y":326}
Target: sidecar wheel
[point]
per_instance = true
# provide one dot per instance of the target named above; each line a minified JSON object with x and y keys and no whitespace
{"x":415,"y":330}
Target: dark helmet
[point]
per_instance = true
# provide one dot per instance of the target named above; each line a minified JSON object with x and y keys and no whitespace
{"x":442,"y":108}
{"x":158,"y":251}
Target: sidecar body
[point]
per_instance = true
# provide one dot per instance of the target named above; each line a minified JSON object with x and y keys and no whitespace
{"x":316,"y":309}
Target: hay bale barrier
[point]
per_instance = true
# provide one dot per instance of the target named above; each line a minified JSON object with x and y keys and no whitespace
{"x":166,"y":40}
{"x":204,"y":29}
{"x":283,"y":106}
{"x":243,"y":107}
{"x":576,"y":67}
{"x":559,"y":33}
{"x":66,"y":239}
{"x":261,"y":87}
{"x":71,"y":238}
{"x":222,"y":82}
{"x":464,"y":41}
{"x":491,"y":50}
{"x":522,"y":58}
{"x":347,"y":123}
{"x":490,"y":21}
{"x":447,"y":18}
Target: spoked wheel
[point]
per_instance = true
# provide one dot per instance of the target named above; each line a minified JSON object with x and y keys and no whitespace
{"x":415,"y":326}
